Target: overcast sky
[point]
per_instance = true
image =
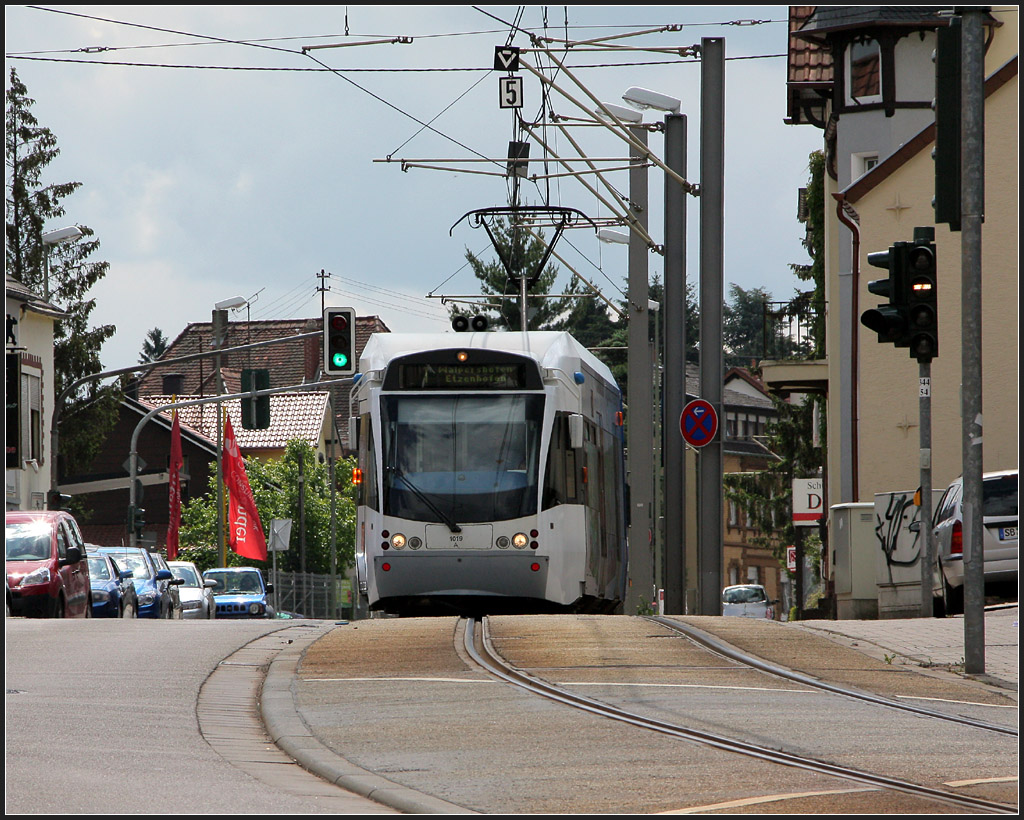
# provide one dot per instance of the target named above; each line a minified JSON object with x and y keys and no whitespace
{"x":213,"y":168}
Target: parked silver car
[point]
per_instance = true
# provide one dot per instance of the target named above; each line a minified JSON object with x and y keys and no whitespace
{"x":747,"y":601}
{"x":999,"y":533}
{"x":196,"y":592}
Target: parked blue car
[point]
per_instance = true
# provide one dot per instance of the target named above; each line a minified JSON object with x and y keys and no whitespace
{"x":240,"y":592}
{"x":155,"y":587}
{"x":113,"y":593}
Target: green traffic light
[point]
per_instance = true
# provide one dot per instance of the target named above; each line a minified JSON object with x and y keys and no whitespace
{"x":339,"y":360}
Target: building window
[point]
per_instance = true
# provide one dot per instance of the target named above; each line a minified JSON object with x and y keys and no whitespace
{"x":864,"y":71}
{"x":31,"y":418}
{"x":861,"y":163}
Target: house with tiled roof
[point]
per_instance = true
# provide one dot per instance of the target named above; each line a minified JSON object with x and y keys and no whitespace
{"x":293,"y":356}
{"x":28,"y":369}
{"x":302,"y":415}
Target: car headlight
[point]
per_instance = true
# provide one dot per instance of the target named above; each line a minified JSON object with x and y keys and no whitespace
{"x":100,"y":595}
{"x":38,"y":576}
{"x":147,"y":598}
{"x":190,"y":604}
{"x":255,"y":608}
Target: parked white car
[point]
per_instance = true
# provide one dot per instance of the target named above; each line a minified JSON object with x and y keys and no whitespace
{"x":747,"y":601}
{"x":999,"y":537}
{"x":196,"y":592}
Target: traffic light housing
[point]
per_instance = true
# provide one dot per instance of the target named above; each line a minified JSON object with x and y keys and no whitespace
{"x":340,"y":341}
{"x":136,"y":519}
{"x":56,"y":500}
{"x":922,"y":302}
{"x":255,"y":411}
{"x":889,"y":321}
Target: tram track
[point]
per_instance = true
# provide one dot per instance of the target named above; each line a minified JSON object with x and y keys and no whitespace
{"x":477,"y":644}
{"x":717,"y":646}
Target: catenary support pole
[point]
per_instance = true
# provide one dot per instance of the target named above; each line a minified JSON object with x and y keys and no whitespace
{"x":673,"y":447}
{"x":712,"y":178}
{"x":638,"y":366}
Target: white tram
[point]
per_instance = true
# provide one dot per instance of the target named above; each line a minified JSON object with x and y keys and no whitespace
{"x":491,"y":474}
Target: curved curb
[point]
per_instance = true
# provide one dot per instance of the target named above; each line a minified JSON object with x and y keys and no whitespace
{"x":290,"y":733}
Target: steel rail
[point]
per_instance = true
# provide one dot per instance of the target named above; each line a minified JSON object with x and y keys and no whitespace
{"x":715,"y":645}
{"x":478,"y":647}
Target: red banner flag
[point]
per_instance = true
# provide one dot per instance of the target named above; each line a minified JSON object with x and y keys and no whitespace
{"x":245,"y":533}
{"x":174,"y":492}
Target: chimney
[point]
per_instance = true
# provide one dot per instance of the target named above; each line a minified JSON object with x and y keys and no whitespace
{"x":311,"y":354}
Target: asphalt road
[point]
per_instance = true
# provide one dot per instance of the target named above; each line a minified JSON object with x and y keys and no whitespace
{"x":100,"y":718}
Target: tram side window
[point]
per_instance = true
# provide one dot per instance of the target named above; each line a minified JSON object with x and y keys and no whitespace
{"x":368,"y":463}
{"x":560,"y":483}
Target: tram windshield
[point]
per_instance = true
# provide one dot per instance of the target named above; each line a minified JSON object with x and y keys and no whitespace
{"x":458,"y":459}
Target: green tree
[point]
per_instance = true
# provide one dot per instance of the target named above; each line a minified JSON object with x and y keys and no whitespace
{"x":743,"y":326}
{"x":275,"y":486}
{"x":812,"y":302}
{"x":91,"y":411}
{"x":153,"y":346}
{"x":523,"y":252}
{"x":766,"y":496}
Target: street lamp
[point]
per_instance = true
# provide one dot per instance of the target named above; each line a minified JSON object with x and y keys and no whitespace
{"x":613,"y":237}
{"x":623,"y":114}
{"x":219,"y":327}
{"x":641,"y":571}
{"x":233,"y":302}
{"x":643,"y":99}
{"x":674,"y":319}
{"x":56,"y":237}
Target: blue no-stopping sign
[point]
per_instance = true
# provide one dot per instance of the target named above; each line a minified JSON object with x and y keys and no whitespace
{"x":698,"y":423}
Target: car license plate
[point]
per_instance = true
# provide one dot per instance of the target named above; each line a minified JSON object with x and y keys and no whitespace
{"x":1007,"y":533}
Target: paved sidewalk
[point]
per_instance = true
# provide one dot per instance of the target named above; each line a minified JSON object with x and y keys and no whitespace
{"x":935,"y":642}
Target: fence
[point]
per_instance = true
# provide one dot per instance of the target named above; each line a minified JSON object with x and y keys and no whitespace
{"x":312,"y":595}
{"x":793,"y":330}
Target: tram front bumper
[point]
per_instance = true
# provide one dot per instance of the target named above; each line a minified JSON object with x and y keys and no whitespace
{"x":511,"y":574}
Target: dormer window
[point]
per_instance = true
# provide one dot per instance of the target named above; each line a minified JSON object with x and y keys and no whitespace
{"x":864,"y":71}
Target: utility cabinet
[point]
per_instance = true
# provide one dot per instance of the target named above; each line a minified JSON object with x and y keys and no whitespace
{"x":852,"y":547}
{"x":899,"y":551}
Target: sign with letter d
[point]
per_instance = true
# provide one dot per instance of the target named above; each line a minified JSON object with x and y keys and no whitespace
{"x":808,"y":502}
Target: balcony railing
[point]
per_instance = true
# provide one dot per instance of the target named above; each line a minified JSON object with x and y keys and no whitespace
{"x":794,"y":330}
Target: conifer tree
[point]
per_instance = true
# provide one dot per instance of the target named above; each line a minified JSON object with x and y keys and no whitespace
{"x":524,"y":252}
{"x":33,"y":205}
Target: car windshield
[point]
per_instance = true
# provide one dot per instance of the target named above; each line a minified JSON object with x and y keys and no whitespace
{"x":186,"y":574}
{"x":744,"y":595}
{"x":235,"y":583}
{"x":27,"y":541}
{"x":99,"y":569}
{"x":999,"y":495}
{"x":138,"y":565}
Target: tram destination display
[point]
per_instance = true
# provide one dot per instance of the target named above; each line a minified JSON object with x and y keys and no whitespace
{"x":467,"y":376}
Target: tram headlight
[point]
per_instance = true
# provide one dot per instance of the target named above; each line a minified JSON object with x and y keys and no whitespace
{"x":502,"y":543}
{"x":415,"y":542}
{"x":398,"y":541}
{"x":520,"y":540}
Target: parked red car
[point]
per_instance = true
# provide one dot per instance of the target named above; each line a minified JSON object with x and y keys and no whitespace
{"x":47,"y":569}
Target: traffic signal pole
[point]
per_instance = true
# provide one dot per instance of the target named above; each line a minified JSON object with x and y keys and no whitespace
{"x":972,"y":215}
{"x":927,"y":549}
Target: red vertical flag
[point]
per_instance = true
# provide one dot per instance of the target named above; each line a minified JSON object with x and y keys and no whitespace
{"x":245,"y":533}
{"x":174,"y":493}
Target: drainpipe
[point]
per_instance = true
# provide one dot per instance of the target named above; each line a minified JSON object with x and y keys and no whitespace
{"x":854,"y":327}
